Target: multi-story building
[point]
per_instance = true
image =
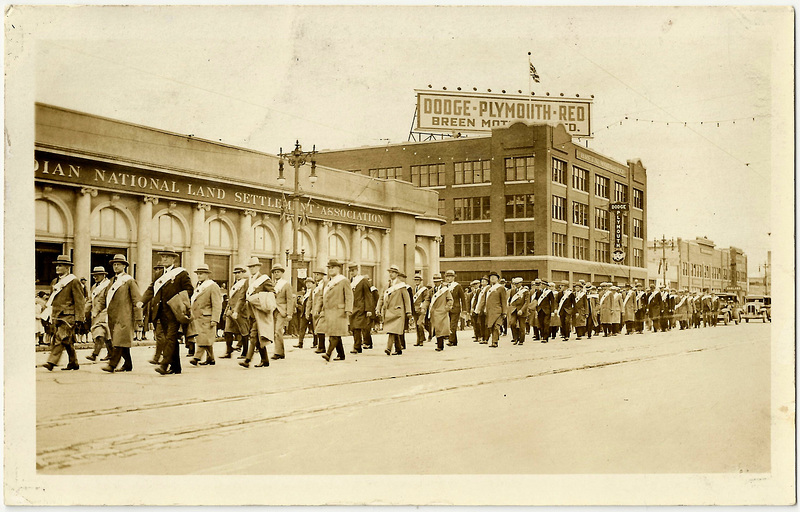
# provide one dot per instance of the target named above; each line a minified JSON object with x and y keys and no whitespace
{"x":698,"y":264}
{"x":525,"y":201}
{"x":106,"y":187}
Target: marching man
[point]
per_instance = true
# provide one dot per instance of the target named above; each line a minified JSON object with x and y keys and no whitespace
{"x":395,"y":308}
{"x":421,"y":302}
{"x":66,"y":298}
{"x":496,"y":307}
{"x":122,"y":301}
{"x":206,"y":309}
{"x":259,"y":305}
{"x":99,"y":315}
{"x":518,"y":307}
{"x":438,"y":312}
{"x":284,"y":298}
{"x":321,"y":279}
{"x":337,"y":305}
{"x":235,"y":325}
{"x":363,"y":309}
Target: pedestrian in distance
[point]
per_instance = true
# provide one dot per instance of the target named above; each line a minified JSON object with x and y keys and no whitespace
{"x":566,"y":308}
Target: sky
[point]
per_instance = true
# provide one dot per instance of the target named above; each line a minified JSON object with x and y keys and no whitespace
{"x":335,"y":77}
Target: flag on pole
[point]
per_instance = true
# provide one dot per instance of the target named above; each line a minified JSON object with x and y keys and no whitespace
{"x":534,"y":74}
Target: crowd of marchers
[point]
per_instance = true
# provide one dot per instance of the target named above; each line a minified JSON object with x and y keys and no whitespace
{"x":260,"y":308}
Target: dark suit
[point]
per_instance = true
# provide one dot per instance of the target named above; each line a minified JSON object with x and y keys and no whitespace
{"x":363,"y":303}
{"x":544,"y":309}
{"x":459,"y":301}
{"x":67,"y":306}
{"x":161,"y":313}
{"x":566,"y":309}
{"x":654,"y":307}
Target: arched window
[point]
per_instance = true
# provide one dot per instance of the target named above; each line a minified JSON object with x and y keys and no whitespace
{"x":110,"y":223}
{"x":219,"y":235}
{"x":304,"y":243}
{"x":49,"y":219}
{"x":263,"y":242}
{"x":336,"y":247}
{"x":420,"y":261}
{"x":369,"y":252}
{"x":170,"y":231}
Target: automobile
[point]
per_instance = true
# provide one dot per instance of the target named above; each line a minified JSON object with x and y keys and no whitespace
{"x":758,"y":307}
{"x":729,"y":308}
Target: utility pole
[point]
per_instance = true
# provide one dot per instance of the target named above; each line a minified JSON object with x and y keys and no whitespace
{"x":664,"y":243}
{"x":765,"y":267}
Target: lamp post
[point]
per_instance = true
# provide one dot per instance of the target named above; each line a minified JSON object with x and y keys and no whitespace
{"x":664,"y":243}
{"x":297,"y":158}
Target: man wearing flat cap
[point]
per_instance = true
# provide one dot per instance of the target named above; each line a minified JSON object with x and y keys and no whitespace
{"x":67,"y":301}
{"x":518,"y":311}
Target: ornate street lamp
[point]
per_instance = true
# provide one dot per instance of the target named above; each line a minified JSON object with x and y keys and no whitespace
{"x":297,"y":158}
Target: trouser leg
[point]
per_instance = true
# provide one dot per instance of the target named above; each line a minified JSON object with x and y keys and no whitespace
{"x":454,"y":327}
{"x":99,"y":343}
{"x":228,"y":343}
{"x":280,"y":323}
{"x":357,"y":340}
{"x":116,"y":355}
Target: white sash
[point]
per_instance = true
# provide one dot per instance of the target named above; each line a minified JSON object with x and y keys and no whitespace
{"x":118,"y":282}
{"x":452,"y":286}
{"x":197,"y":291}
{"x":356,"y":280}
{"x":99,"y":287}
{"x":166,"y":277}
{"x":603,"y":298}
{"x":332,"y":283}
{"x":280,"y":285}
{"x":237,"y":286}
{"x":481,"y":295}
{"x":60,"y":285}
{"x":520,"y":293}
{"x":307,"y":295}
{"x":441,"y":291}
{"x":680,"y":304}
{"x":255,"y":284}
{"x":566,"y":294}
{"x":420,"y":292}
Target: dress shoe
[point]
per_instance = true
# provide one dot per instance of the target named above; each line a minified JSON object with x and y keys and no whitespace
{"x":262,"y":364}
{"x":245,"y":363}
{"x":367,"y":346}
{"x":299,"y":345}
{"x":190,"y":354}
{"x":319,"y":351}
{"x":226,"y":356}
{"x":71,"y":366}
{"x":439,"y":349}
{"x":107,"y":368}
{"x":123,"y":369}
{"x":278,"y":356}
{"x":355,"y":351}
{"x":153,"y":361}
{"x":388,"y":352}
{"x":107,"y":358}
{"x":242,"y":357}
{"x":326,"y":357}
{"x":91,"y":357}
{"x":49,"y":366}
{"x":193,"y":361}
{"x":544,"y":341}
{"x":162,"y":371}
{"x":208,"y":363}
{"x":398,"y":353}
{"x":338,"y":358}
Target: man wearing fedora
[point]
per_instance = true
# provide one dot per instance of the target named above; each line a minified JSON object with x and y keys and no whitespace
{"x":337,"y":305}
{"x":420,"y":302}
{"x":566,"y":308}
{"x":284,"y":298}
{"x":480,"y":311}
{"x":206,"y":309}
{"x":518,"y":310}
{"x":580,"y":312}
{"x":66,"y":303}
{"x":315,"y":313}
{"x":124,"y":312}
{"x":304,"y":323}
{"x":261,"y":322}
{"x":363,"y":309}
{"x":533,"y":303}
{"x":459,"y":304}
{"x":438,"y":312}
{"x":545,"y":306}
{"x":172,"y":282}
{"x":236,"y":327}
{"x":98,"y":316}
{"x":395,"y":308}
{"x":496,"y":307}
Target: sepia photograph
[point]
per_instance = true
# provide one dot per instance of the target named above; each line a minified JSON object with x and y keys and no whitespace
{"x":399,"y":255}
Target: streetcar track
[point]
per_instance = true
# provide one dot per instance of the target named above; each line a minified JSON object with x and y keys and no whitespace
{"x":132,"y":444}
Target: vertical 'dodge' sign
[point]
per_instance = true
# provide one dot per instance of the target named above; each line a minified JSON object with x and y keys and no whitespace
{"x":618,"y":208}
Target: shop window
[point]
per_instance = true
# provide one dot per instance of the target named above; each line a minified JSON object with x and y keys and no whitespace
{"x":110,"y":224}
{"x":219,"y":235}
{"x":262,"y":240}
{"x":49,"y":219}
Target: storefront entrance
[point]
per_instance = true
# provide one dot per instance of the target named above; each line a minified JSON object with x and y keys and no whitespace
{"x":46,"y":254}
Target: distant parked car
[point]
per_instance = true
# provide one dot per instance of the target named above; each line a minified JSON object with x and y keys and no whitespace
{"x":729,"y":308}
{"x":758,"y":307}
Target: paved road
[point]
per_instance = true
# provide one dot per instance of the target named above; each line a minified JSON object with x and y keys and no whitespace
{"x":681,"y":401}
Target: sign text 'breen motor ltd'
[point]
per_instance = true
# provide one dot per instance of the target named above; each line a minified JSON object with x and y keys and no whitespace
{"x":88,"y":174}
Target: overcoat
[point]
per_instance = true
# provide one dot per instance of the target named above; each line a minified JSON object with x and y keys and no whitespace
{"x":284,"y":297}
{"x":683,"y":309}
{"x":260,"y":305}
{"x":422,"y":299}
{"x":337,"y":304}
{"x":629,"y":307}
{"x":236,"y":303}
{"x":518,"y":306}
{"x":616,"y":308}
{"x":654,"y":305}
{"x":67,"y":304}
{"x":206,"y":307}
{"x":173,"y":286}
{"x":459,"y":298}
{"x":533,"y":305}
{"x":394,"y":308}
{"x":555,"y":319}
{"x":97,"y":309}
{"x":606,"y":306}
{"x":315,"y":308}
{"x":594,"y":309}
{"x":581,"y":310}
{"x":363,"y":301}
{"x":496,"y":304}
{"x":123,"y":315}
{"x":439,"y":311}
{"x":566,"y":303}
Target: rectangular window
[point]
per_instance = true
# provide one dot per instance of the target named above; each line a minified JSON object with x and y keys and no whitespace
{"x":601,"y":186}
{"x":471,"y":208}
{"x":638,"y":198}
{"x":580,"y":248}
{"x":601,"y":252}
{"x":620,"y":192}
{"x":637,"y":228}
{"x":431,"y":175}
{"x":475,"y":171}
{"x":519,"y":206}
{"x":580,"y":214}
{"x":705,"y":271}
{"x":519,"y":244}
{"x":580,"y":179}
{"x":559,"y":245}
{"x":637,"y":258}
{"x":559,"y":207}
{"x":387,"y":172}
{"x":441,"y":248}
{"x":476,"y":244}
{"x":441,"y":208}
{"x":559,"y":174}
{"x":625,"y":224}
{"x":601,"y":219}
{"x":519,"y":168}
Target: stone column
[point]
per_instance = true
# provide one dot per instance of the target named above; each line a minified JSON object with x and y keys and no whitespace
{"x":245,"y":236}
{"x":380,"y":278}
{"x":197,"y":248}
{"x":355,"y":244}
{"x":144,"y":242}
{"x":322,"y":242}
{"x":433,"y":256}
{"x":82,"y":257}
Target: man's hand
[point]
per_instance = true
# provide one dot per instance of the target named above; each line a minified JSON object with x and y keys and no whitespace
{"x":369,"y":314}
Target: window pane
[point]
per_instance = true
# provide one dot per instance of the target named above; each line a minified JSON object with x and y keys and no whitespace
{"x":509,"y":244}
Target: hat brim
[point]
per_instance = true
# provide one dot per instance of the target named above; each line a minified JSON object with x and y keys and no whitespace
{"x":67,"y":263}
{"x":168,"y":253}
{"x":119,"y":261}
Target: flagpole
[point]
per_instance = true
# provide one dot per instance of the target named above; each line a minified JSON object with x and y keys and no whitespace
{"x":530,"y":87}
